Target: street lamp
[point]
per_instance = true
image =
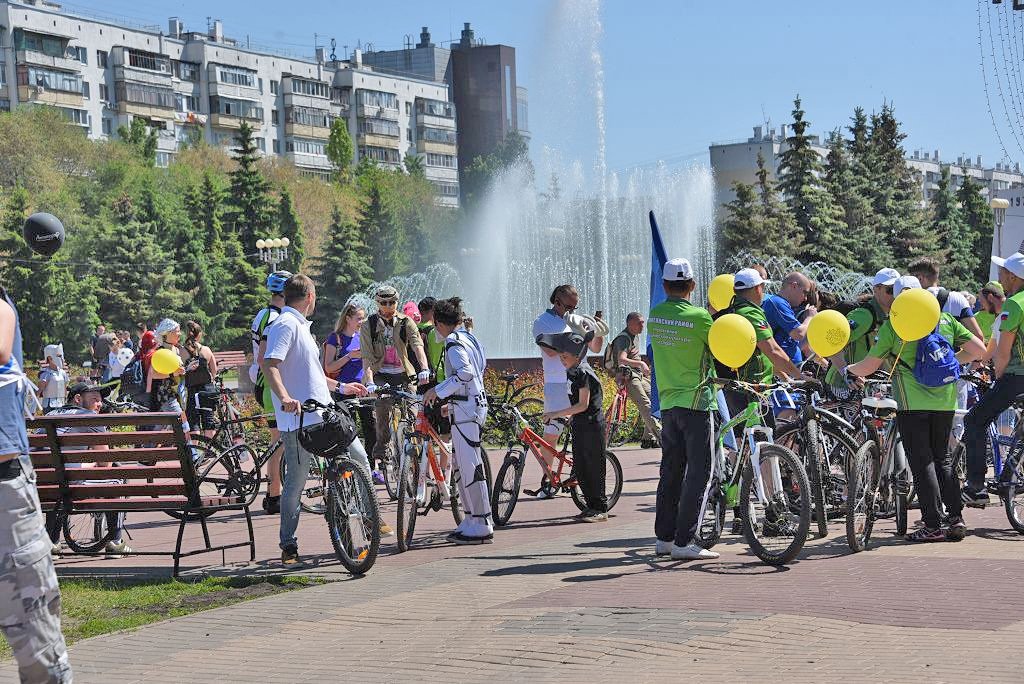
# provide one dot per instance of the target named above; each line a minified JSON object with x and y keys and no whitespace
{"x":273,"y":251}
{"x":999,"y":207}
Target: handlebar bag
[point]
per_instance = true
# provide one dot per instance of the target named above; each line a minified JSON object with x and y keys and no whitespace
{"x":330,"y":437}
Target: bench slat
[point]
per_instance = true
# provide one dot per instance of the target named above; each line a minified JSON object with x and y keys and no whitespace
{"x":125,"y":472}
{"x":105,"y":419}
{"x":147,"y":504}
{"x":78,"y":439}
{"x":112,"y":491}
{"x":154,"y":455}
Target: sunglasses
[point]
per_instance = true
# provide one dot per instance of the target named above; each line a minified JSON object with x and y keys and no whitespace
{"x":888,"y":289}
{"x":387,"y":302}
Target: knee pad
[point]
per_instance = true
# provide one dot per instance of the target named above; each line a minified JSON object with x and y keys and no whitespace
{"x":478,"y":475}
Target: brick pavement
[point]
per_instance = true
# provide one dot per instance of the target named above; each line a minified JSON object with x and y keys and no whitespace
{"x":555,"y":600}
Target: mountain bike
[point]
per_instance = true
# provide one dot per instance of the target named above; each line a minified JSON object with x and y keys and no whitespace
{"x":505,"y":493}
{"x":499,"y":428}
{"x":621,"y":423}
{"x":765,"y":482}
{"x":401,"y":417}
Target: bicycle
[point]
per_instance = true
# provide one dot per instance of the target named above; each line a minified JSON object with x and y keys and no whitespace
{"x":400,"y":417}
{"x":878,"y":479}
{"x":350,"y":504}
{"x":505,"y":494}
{"x":498,"y":427}
{"x":621,"y":424}
{"x":996,"y":442}
{"x":767,"y":481}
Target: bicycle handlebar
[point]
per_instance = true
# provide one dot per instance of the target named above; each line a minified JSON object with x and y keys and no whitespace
{"x":763,"y":388}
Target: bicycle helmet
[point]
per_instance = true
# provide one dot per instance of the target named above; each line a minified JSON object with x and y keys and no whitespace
{"x":276,"y":281}
{"x":167,"y":325}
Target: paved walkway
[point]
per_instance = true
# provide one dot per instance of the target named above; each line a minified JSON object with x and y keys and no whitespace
{"x":557,"y":600}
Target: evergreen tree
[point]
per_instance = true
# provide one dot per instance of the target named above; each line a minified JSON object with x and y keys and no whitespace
{"x":340,"y":272}
{"x":288,"y":226}
{"x":757,"y":222}
{"x":779,"y":223}
{"x":251,"y":213}
{"x":742,"y":225}
{"x":205,"y":206}
{"x":956,"y":237}
{"x":141,"y":138}
{"x":340,"y":149}
{"x":240,"y":294}
{"x":377,"y":228}
{"x":851,"y":193}
{"x":978,"y":215}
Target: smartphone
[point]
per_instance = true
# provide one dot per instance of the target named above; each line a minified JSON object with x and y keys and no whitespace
{"x":599,"y":314}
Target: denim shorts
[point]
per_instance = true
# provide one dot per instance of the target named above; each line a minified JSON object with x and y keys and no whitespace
{"x":13,"y":436}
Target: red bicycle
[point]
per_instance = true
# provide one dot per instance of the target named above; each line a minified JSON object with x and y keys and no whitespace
{"x":621,"y":423}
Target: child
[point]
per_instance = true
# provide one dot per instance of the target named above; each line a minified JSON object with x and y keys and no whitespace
{"x":53,"y":378}
{"x":585,"y":397}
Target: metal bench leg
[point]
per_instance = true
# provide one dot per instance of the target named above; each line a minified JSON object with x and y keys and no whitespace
{"x":252,"y":537}
{"x":206,"y":532}
{"x":177,"y":547}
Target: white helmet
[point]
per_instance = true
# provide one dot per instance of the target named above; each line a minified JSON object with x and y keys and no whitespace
{"x":167,"y":325}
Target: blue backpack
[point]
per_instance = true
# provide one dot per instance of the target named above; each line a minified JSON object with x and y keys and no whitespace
{"x":935,"y":363}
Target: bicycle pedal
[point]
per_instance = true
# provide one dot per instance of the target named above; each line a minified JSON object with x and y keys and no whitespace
{"x":531,"y":492}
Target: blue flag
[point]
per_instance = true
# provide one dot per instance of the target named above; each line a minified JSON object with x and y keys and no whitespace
{"x":658,"y":259}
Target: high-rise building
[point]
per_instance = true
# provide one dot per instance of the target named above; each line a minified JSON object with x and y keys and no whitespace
{"x":187,"y":85}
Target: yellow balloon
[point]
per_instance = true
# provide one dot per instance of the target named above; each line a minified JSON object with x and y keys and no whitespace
{"x":827,"y":333}
{"x":720,"y":291}
{"x":732,"y":340}
{"x":165,"y":361}
{"x":914,"y":314}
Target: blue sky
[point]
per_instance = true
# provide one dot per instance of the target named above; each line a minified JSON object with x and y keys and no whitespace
{"x":681,"y":74}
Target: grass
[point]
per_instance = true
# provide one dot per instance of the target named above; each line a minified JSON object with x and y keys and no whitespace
{"x":90,"y":606}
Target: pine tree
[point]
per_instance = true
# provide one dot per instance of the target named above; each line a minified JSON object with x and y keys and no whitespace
{"x":743,"y":220}
{"x":240,"y":294}
{"x":141,"y":138}
{"x":956,"y":237}
{"x":288,"y":226}
{"x":383,"y":239}
{"x":978,"y":215}
{"x":851,"y":193}
{"x":340,"y":272}
{"x":784,"y":236}
{"x":757,"y":222}
{"x":252,"y":213}
{"x":205,"y":206}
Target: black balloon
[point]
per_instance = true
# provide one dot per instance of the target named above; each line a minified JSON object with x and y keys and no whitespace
{"x":44,"y":233}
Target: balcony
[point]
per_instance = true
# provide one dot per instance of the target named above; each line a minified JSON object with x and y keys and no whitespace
{"x":309,"y":161}
{"x":424,"y":146}
{"x":300,"y":130}
{"x":375,"y":112}
{"x":373,"y":140}
{"x":431,"y":121}
{"x":226,"y":121}
{"x":146,"y":111}
{"x":50,"y":97}
{"x":43,"y":59}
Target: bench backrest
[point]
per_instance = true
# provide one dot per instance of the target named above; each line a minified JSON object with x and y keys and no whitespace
{"x":155,"y":465}
{"x":230,"y":359}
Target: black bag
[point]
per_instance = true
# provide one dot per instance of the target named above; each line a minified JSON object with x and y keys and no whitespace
{"x":330,"y":437}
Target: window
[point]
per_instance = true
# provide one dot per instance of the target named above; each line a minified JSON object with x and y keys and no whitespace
{"x":49,"y":79}
{"x":75,"y":116}
{"x":101,"y":58}
{"x":260,"y":80}
{"x":236,"y":76}
{"x":148,"y":61}
{"x":443,"y":160}
{"x":139,"y":93}
{"x":385,"y":155}
{"x":313,"y":88}
{"x":81,"y":54}
{"x":377,"y":98}
{"x":261,"y":143}
{"x":379,"y":127}
{"x":446,"y":189}
{"x":436,"y":108}
{"x":85,"y":90}
{"x":186,"y":71}
{"x":186,"y":103}
{"x":314,"y":147}
{"x":163,"y":159}
{"x":408,"y":108}
{"x":440,"y":135}
{"x":240,"y":108}
{"x":273,"y":116}
{"x":306,"y":116}
{"x":3,"y":75}
{"x":277,"y":147}
{"x":408,"y":135}
{"x":273,"y":87}
{"x":5,"y":105}
{"x":37,"y":42}
{"x":108,"y":126}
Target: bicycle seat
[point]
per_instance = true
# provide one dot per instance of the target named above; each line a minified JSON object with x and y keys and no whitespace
{"x":876,"y":403}
{"x":510,"y":377}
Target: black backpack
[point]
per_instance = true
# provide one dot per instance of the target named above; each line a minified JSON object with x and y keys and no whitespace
{"x":848,"y":306}
{"x":133,"y":380}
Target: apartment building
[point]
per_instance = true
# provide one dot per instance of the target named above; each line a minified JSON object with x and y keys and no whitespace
{"x":191,"y":85}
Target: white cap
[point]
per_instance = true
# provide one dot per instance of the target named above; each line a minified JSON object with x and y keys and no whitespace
{"x":746,"y":279}
{"x":1013,"y":263}
{"x":887,"y":276}
{"x":907,"y":282}
{"x":676,"y":270}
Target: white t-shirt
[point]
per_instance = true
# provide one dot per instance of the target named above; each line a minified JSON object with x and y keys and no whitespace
{"x":956,"y":304}
{"x":550,"y":323}
{"x":254,"y":369}
{"x":290,"y":341}
{"x":56,"y":383}
{"x":995,"y":328}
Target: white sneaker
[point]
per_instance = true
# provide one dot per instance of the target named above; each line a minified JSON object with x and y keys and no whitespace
{"x":692,"y":552}
{"x":662,"y":548}
{"x":543,"y":494}
{"x":117,"y":549}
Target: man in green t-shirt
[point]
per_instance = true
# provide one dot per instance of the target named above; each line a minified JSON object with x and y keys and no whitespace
{"x":433,"y":347}
{"x":990,"y":305}
{"x":864,"y":322}
{"x":679,"y":339}
{"x":1009,"y":372}
{"x":769,"y":359}
{"x":925,"y":417}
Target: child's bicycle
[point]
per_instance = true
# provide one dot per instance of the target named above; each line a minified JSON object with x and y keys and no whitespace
{"x":767,"y":483}
{"x":621,"y":423}
{"x":560,"y":478}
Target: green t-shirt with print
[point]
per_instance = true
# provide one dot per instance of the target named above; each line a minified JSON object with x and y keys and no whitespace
{"x":433,"y":347}
{"x":864,"y":321}
{"x":1012,"y":321}
{"x":678,"y":332}
{"x":911,"y":395}
{"x":759,"y":368}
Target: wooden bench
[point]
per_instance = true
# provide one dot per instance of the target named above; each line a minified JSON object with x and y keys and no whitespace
{"x":230,"y":359}
{"x":153,"y":468}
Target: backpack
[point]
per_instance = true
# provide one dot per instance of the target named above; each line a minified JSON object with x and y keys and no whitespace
{"x":935,"y":363}
{"x":375,"y":337}
{"x":848,"y":306}
{"x":133,"y":381}
{"x":608,"y":360}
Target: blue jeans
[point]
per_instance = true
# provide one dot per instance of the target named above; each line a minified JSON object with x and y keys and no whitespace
{"x":296,"y":468}
{"x":977,"y":420}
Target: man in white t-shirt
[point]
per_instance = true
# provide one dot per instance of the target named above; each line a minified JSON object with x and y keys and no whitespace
{"x":292,"y":368}
{"x":560,"y":318}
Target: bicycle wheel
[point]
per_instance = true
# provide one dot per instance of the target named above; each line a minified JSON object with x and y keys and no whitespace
{"x":776,"y":524}
{"x":612,"y":483}
{"x":862,"y":480}
{"x":89,"y":532}
{"x":218,"y":474}
{"x":712,"y":521}
{"x":392,"y":460}
{"x":407,"y":483}
{"x":454,"y":502}
{"x":486,"y":461}
{"x":311,"y":500}
{"x":836,"y":451}
{"x":353,"y":517}
{"x":812,"y":460}
{"x":505,"y":494}
{"x":1013,"y":500}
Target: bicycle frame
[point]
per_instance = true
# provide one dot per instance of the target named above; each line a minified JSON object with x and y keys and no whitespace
{"x":538,"y":444}
{"x":429,"y":466}
{"x":753,"y":427}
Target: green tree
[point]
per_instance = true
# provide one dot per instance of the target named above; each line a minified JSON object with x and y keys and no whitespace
{"x":851,"y":192}
{"x":513,"y":151}
{"x":340,"y":148}
{"x":343,"y":269}
{"x":758,"y":222}
{"x":205,"y":206}
{"x":414,"y":165}
{"x":380,"y":232}
{"x":141,"y":138}
{"x":956,"y":237}
{"x":288,"y":226}
{"x":251,"y":211}
{"x":240,"y":294}
{"x":978,"y":215}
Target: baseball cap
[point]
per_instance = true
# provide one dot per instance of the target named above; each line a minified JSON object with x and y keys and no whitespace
{"x":83,"y":387}
{"x":746,"y":279}
{"x":887,"y":276}
{"x":1013,"y":263}
{"x":386,"y":292}
{"x":907,"y":282}
{"x":995,"y":287}
{"x":676,"y":270}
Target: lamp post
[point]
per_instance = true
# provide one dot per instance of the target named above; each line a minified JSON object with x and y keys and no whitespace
{"x":273,"y":251}
{"x":999,"y":207}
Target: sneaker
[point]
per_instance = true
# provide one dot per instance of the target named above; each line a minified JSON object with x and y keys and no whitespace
{"x":465,"y":540}
{"x":926,"y":534}
{"x":737,"y":526}
{"x":385,"y":530}
{"x":973,"y":499}
{"x":692,"y":552}
{"x":55,"y":550}
{"x":272,"y":504}
{"x":957,"y":529}
{"x":378,"y":477}
{"x":662,"y":548}
{"x":595,"y":517}
{"x":117,"y":549}
{"x":290,"y":556}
